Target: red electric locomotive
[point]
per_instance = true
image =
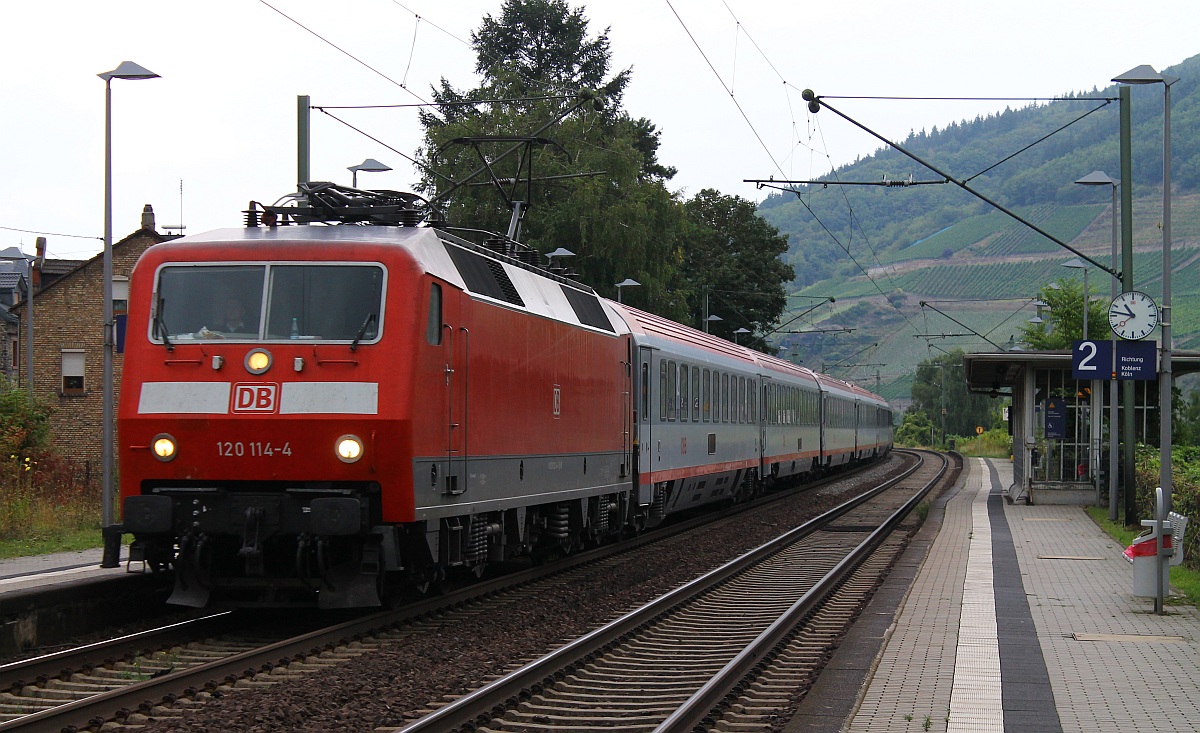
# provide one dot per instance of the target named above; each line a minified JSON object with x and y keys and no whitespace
{"x":313,"y":414}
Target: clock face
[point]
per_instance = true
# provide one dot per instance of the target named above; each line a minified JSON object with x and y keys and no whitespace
{"x":1133,"y":315}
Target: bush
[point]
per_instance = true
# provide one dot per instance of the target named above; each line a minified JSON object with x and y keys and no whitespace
{"x":994,"y":443}
{"x":41,"y":495}
{"x":1185,"y":491}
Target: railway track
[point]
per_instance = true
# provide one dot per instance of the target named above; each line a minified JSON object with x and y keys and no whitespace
{"x":733,"y":646}
{"x":148,"y":675}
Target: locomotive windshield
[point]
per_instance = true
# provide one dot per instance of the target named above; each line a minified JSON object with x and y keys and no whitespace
{"x":269,"y":302}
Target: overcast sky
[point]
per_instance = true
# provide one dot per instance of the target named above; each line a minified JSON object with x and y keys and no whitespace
{"x":720,"y":78}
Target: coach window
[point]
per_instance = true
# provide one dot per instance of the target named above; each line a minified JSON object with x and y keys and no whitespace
{"x":645,"y":386}
{"x":753,"y":391}
{"x":662,"y":389}
{"x":707,"y":395}
{"x":433,"y":326}
{"x":72,"y":371}
{"x":672,"y":389}
{"x":724,"y":397}
{"x":684,"y":393}
{"x":716,"y":396}
{"x":696,"y":394}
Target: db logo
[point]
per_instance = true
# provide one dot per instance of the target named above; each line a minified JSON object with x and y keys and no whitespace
{"x":254,"y":397}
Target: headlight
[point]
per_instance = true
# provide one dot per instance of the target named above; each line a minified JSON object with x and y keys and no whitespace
{"x":164,"y":447}
{"x":258,"y":361}
{"x":349,"y":448}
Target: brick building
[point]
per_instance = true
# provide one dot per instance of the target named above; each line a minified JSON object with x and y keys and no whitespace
{"x":68,"y":350}
{"x":15,"y":269}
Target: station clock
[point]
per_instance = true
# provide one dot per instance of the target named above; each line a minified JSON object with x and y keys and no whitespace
{"x":1133,"y":315}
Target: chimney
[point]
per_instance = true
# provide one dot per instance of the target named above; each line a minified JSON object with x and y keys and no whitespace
{"x":148,"y":217}
{"x":37,"y":265}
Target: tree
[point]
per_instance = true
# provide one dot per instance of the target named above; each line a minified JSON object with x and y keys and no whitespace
{"x":940,"y":384}
{"x":915,"y":430}
{"x":592,"y":178}
{"x":1063,"y":323}
{"x":731,"y":257}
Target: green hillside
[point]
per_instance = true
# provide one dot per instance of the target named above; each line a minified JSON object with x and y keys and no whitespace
{"x":880,"y":251}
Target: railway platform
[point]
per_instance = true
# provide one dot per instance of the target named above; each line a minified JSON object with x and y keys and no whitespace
{"x":1008,"y":617}
{"x":59,"y":568}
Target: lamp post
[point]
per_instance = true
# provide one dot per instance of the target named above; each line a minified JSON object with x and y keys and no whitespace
{"x":1099,"y":178}
{"x":112,"y":539}
{"x":370,"y":165}
{"x":626,"y":283}
{"x":1092,"y":423}
{"x":1076,"y":264}
{"x":1146,"y":74}
{"x":739,"y":331}
{"x":560,"y":252}
{"x":711,"y":319}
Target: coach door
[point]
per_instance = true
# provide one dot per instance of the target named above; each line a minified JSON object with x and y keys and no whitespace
{"x":763,"y":380}
{"x":643,"y":444}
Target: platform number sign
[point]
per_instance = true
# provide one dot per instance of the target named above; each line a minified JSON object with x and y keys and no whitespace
{"x":1133,"y":360}
{"x":1092,"y":360}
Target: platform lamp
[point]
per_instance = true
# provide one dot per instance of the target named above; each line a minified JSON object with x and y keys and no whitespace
{"x":626,"y":283}
{"x":1094,"y":389}
{"x":739,"y":331}
{"x":560,"y":252}
{"x":711,"y":319}
{"x":1145,"y":74}
{"x":1099,"y":178}
{"x":109,"y":529}
{"x":370,"y":165}
{"x":1077,"y":264}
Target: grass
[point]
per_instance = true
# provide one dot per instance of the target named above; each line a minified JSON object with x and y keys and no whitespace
{"x":46,"y":542}
{"x":46,"y":506}
{"x":1185,"y":579}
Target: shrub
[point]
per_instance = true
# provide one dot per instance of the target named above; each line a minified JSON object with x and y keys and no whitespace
{"x":41,"y":495}
{"x":1185,"y":491}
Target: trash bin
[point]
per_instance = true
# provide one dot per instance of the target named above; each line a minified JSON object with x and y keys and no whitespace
{"x":1143,"y":553}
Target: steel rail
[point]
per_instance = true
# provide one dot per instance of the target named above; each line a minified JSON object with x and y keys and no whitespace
{"x":93,"y":711}
{"x":506,"y":691}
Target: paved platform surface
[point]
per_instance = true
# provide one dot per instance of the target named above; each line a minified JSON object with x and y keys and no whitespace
{"x":62,"y":567}
{"x":1017,"y":618}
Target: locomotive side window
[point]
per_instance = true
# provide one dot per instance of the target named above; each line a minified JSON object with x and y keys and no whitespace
{"x":433,"y":326}
{"x":319,"y":302}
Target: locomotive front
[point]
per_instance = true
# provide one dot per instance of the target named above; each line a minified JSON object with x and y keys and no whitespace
{"x":261,"y":406}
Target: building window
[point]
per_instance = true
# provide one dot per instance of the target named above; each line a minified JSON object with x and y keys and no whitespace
{"x":72,"y":371}
{"x":120,"y":295}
